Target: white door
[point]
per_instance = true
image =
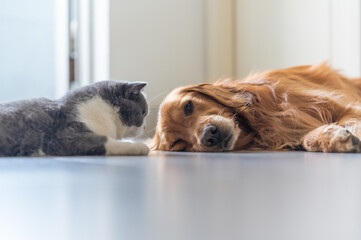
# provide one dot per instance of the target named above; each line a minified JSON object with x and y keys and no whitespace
{"x":28,"y":49}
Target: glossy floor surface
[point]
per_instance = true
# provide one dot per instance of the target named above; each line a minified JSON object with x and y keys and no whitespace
{"x":185,"y":196}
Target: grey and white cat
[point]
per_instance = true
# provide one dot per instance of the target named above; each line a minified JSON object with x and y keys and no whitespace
{"x":86,"y":121}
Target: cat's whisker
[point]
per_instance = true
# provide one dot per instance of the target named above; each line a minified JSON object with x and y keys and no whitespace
{"x":159,"y":95}
{"x":150,"y":130}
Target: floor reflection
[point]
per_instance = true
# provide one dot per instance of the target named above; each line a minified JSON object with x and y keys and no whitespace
{"x":176,"y":196}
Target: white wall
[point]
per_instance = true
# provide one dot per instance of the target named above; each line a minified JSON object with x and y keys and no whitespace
{"x":346,"y":36}
{"x":158,"y":41}
{"x":283,"y":33}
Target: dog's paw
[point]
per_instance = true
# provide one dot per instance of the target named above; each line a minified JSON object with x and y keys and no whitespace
{"x":331,"y":138}
{"x":343,"y":141}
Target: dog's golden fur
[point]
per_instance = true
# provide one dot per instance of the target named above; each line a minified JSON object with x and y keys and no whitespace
{"x":308,"y":107}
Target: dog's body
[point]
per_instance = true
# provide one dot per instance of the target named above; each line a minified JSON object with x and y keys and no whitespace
{"x":308,"y":107}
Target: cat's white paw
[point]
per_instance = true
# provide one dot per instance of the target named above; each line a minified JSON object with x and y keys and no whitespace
{"x":115,"y":147}
{"x":138,"y":148}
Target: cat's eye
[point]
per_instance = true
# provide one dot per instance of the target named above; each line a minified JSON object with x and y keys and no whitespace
{"x":188,"y":108}
{"x":179,"y":145}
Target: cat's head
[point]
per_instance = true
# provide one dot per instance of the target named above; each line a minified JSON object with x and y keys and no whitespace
{"x":133,"y":107}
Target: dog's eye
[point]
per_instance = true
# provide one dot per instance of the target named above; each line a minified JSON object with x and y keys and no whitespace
{"x":188,"y":108}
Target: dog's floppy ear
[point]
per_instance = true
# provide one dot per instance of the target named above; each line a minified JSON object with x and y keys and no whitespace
{"x":154,"y":143}
{"x":229,"y":97}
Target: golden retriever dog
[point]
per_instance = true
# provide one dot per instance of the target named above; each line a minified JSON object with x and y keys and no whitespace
{"x":311,"y":108}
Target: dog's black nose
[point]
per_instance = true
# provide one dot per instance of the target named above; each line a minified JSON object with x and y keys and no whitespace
{"x":211,"y":136}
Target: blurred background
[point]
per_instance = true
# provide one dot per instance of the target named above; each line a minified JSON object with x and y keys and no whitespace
{"x":50,"y":46}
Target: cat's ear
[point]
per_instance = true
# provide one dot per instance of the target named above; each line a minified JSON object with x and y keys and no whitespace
{"x":134,"y":88}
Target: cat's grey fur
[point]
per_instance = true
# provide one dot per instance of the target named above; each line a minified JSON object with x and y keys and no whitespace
{"x":55,"y":127}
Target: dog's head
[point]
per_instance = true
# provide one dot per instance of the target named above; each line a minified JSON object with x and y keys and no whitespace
{"x":204,"y":117}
